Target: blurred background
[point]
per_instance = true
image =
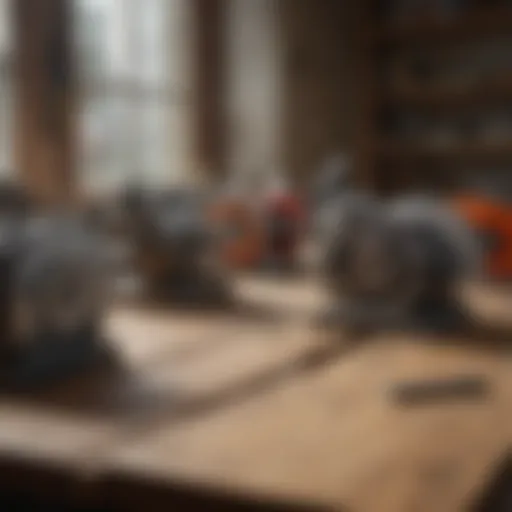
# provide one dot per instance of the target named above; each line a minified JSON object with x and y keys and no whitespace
{"x":168,"y":89}
{"x":414,"y":91}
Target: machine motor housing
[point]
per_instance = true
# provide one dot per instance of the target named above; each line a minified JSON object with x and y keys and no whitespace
{"x":174,"y":244}
{"x":396,"y":259}
{"x":54,"y":289}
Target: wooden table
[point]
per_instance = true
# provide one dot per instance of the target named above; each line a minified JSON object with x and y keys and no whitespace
{"x":258,"y":407}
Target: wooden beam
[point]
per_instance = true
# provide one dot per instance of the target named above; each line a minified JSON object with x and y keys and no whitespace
{"x":209,"y":22}
{"x":44,"y":133}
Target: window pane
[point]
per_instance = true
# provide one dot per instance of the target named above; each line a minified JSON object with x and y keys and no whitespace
{"x":134,"y":76}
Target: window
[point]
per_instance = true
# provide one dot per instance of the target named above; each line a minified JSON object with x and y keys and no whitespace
{"x":6,"y":96}
{"x":134,"y":90}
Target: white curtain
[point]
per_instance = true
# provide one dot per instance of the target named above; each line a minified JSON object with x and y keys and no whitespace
{"x":255,"y":80}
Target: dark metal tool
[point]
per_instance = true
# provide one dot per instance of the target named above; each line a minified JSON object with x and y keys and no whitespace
{"x":457,"y":388}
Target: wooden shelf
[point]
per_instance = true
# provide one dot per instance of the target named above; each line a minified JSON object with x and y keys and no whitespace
{"x":449,"y":98}
{"x":467,"y":152}
{"x":441,"y":29}
{"x":391,"y":162}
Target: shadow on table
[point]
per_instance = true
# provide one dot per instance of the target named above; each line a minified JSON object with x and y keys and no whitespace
{"x":497,"y":497}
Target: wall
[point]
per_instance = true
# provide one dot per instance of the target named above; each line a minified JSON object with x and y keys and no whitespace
{"x":291,"y":96}
{"x":319,"y":106}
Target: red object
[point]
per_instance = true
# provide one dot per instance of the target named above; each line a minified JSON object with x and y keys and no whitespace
{"x":284,"y":213}
{"x":243,"y":247}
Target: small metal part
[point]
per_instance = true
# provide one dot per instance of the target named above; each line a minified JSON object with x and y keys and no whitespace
{"x":440,"y":390}
{"x":333,"y":179}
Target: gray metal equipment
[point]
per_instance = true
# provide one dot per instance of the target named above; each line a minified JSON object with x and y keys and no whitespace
{"x":54,"y":289}
{"x":395,"y":263}
{"x":174,"y":245}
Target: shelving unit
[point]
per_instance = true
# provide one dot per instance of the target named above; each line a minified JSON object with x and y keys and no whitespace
{"x":492,"y":92}
{"x":475,"y":22}
{"x":445,"y":68}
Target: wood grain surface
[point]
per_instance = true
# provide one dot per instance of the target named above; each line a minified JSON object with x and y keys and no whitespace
{"x":258,"y":404}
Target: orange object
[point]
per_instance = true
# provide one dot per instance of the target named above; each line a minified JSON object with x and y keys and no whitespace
{"x":243,"y":240}
{"x":492,"y":221}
